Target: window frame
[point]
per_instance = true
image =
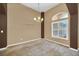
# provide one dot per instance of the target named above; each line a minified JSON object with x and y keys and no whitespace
{"x":56,"y":21}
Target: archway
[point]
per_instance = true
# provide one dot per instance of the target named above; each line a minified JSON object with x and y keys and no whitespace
{"x":3,"y":25}
{"x":73,"y":11}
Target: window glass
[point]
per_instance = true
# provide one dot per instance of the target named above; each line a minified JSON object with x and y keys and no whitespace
{"x":55,"y":26}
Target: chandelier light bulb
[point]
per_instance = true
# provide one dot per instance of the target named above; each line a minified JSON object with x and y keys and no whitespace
{"x":39,"y":18}
{"x":34,"y":18}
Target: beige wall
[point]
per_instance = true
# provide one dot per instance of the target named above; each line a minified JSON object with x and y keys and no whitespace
{"x":78,"y":25}
{"x":21,"y":26}
{"x":48,"y":17}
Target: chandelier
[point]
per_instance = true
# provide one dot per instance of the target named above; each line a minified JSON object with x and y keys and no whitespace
{"x":38,"y":19}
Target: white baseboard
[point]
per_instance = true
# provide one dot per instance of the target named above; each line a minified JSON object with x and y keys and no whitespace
{"x":23,"y":42}
{"x":19,"y":43}
{"x":64,"y":45}
{"x":74,"y":49}
{"x":1,"y":49}
{"x":58,"y":42}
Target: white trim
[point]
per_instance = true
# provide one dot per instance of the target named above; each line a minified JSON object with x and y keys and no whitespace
{"x":73,"y":49}
{"x":23,"y":42}
{"x":58,"y":43}
{"x":59,"y":37}
{"x":1,"y":49}
{"x":19,"y":43}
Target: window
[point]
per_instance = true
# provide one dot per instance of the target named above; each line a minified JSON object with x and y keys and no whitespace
{"x":60,"y":26}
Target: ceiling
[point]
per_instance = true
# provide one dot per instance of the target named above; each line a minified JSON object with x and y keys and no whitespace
{"x":43,"y":7}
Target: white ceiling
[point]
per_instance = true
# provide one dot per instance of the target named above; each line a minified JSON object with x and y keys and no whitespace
{"x":43,"y":7}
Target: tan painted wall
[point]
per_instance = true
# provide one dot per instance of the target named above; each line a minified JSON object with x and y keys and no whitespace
{"x":48,"y":17}
{"x":21,"y":26}
{"x":78,"y":25}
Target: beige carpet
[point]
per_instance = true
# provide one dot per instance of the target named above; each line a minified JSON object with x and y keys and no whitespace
{"x":38,"y":48}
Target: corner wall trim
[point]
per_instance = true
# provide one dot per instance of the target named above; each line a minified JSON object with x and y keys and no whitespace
{"x":42,"y":25}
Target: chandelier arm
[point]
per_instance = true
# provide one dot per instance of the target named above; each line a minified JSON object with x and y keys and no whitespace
{"x":38,"y":5}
